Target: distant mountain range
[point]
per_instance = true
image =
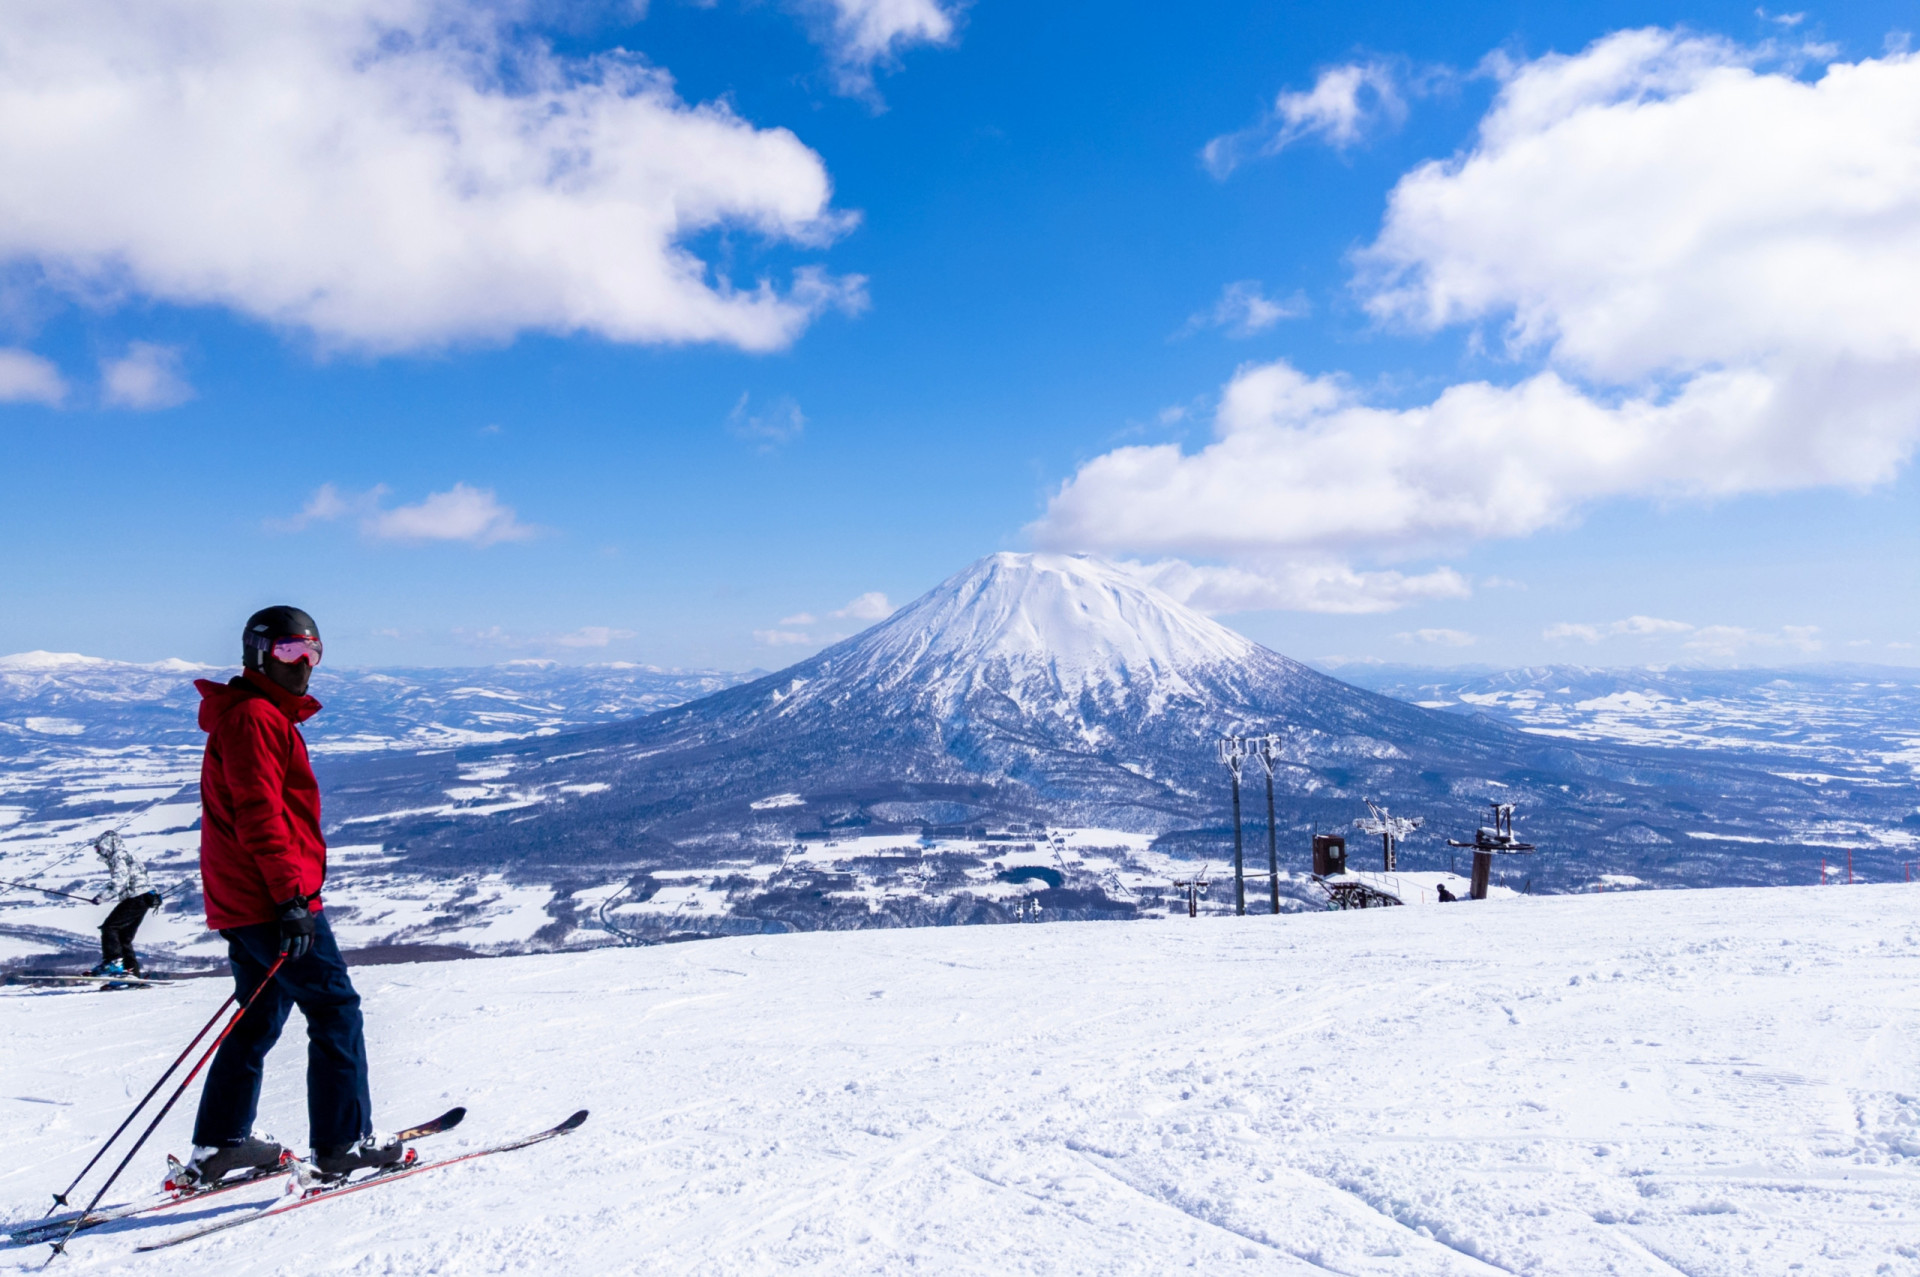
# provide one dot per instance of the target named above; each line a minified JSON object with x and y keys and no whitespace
{"x":61,"y":700}
{"x":1036,"y":689}
{"x":1862,"y":721}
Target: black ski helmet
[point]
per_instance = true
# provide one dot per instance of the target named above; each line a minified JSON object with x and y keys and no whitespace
{"x":268,"y":626}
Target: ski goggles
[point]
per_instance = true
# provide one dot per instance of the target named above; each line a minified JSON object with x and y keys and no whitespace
{"x":291,"y":651}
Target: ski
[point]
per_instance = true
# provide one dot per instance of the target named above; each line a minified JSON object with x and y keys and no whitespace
{"x":105,"y":981}
{"x":41,"y":1230}
{"x":324,"y":1191}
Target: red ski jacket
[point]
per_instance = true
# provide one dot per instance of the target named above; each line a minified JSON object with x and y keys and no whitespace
{"x":260,"y":840}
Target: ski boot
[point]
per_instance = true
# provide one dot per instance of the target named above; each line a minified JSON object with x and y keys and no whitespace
{"x":210,"y":1164}
{"x":114,"y":968}
{"x":376,"y":1151}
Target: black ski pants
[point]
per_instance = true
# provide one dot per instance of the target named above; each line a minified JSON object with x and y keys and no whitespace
{"x":339,"y":1108}
{"x":116,"y":933}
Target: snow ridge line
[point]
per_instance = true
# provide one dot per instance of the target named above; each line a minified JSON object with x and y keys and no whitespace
{"x":1353,"y":1191}
{"x":1637,"y":1246}
{"x":1177,"y":1207}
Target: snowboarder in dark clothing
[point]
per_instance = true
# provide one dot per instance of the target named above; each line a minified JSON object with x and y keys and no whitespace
{"x":262,"y":862}
{"x":1446,"y":897}
{"x":133,"y":894}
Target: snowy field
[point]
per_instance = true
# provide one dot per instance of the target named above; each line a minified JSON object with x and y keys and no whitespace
{"x":1705,"y":1082}
{"x":1860,"y":722}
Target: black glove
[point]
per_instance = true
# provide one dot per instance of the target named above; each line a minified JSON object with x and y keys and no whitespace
{"x":153,"y":899}
{"x":296,"y":928}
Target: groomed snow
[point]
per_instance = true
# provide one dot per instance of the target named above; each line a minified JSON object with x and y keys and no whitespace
{"x":1716,"y":1082}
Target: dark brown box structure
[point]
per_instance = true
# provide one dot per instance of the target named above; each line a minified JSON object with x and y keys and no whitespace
{"x":1329,"y":855}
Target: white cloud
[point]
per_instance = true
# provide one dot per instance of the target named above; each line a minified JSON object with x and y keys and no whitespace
{"x":864,"y":34}
{"x":1723,"y":642}
{"x":590,"y":636}
{"x":27,"y":378}
{"x":1343,"y":104}
{"x":495,"y":636}
{"x":1303,"y":463}
{"x":390,"y":175}
{"x":147,"y":376}
{"x":1726,"y":642}
{"x":1296,"y":586}
{"x":781,"y":421}
{"x":871,"y":606}
{"x":1643,"y":625}
{"x":1712,"y":263}
{"x":1439,"y":638}
{"x":1632,"y":626}
{"x":1243,"y":310}
{"x":1657,"y":206}
{"x":795,"y":630}
{"x":328,"y":504}
{"x":462,"y":513}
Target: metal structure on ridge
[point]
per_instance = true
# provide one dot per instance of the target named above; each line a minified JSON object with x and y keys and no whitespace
{"x":1234,"y":752}
{"x":1390,"y":829}
{"x":1195,"y":887}
{"x":1497,"y":839}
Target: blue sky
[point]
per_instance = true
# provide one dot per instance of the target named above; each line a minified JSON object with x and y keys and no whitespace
{"x":270,"y":335}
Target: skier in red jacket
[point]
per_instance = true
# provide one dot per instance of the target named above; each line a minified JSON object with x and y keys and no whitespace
{"x":262,"y":863}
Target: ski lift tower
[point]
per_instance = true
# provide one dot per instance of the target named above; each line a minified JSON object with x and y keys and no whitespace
{"x":1390,"y":829}
{"x":1195,"y":887}
{"x":1268,"y":753}
{"x":1233,"y":752}
{"x":1489,"y":841}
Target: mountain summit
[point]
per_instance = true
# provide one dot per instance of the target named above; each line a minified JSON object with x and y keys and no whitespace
{"x":1043,"y":688}
{"x":1051,"y":634}
{"x":1076,"y":623}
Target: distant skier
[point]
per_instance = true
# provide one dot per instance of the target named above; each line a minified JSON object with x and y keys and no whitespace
{"x":262,"y":862}
{"x":1446,"y":897}
{"x":128,"y":885}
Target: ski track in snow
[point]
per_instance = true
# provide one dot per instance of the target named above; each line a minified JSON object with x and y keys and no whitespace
{"x":1697,"y":1082}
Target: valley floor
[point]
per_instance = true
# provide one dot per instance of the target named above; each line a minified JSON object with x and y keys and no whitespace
{"x":1705,"y":1082}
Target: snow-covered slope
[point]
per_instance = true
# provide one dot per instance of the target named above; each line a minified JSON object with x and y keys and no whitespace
{"x":1060,"y":690}
{"x":1715,"y":1083}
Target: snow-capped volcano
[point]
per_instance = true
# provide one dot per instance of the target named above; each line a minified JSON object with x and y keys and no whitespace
{"x":1019,"y":656}
{"x":1045,"y":688}
{"x":1045,"y":635}
{"x":1052,"y":627}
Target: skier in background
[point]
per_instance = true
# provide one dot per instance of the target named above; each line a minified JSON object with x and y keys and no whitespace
{"x":128,"y":885}
{"x":262,"y":862}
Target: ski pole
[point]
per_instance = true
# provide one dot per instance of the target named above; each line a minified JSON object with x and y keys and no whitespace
{"x":60,"y":1247}
{"x":60,"y":1199}
{"x":27,"y":886}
